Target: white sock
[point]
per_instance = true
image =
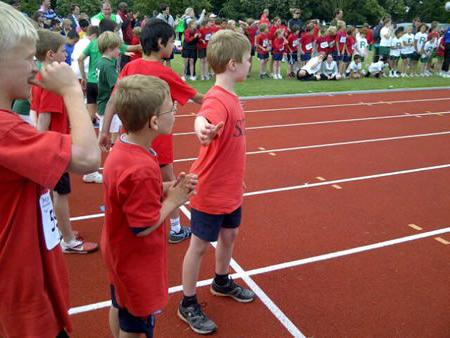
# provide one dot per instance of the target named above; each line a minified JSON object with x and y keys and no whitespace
{"x":175,"y":225}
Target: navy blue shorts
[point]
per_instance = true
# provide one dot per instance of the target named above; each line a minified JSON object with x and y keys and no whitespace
{"x":63,"y":186}
{"x":263,"y":56}
{"x":189,"y":53}
{"x":305,"y":57}
{"x":292,"y":58}
{"x":337,"y":57}
{"x":277,"y":57}
{"x":347,"y":58}
{"x":130,"y":323}
{"x":207,"y":226}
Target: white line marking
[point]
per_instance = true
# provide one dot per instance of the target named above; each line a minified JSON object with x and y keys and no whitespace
{"x":291,"y":264}
{"x":335,"y":105}
{"x":326,"y":145}
{"x":330,"y":122}
{"x":344,"y":180}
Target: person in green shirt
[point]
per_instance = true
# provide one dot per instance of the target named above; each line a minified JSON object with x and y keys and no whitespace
{"x":106,"y":13}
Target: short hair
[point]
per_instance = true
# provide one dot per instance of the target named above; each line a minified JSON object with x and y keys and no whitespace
{"x":331,"y":30}
{"x":262,"y":27}
{"x":224,"y":46}
{"x":154,"y":30}
{"x":138,"y":98}
{"x":163,"y":7}
{"x":340,"y":24}
{"x":356,"y":57}
{"x":83,"y":23}
{"x":107,"y":40}
{"x":92,"y":30}
{"x":73,"y":6}
{"x":107,"y":25}
{"x":48,"y":41}
{"x":15,"y":28}
{"x":295,"y":28}
{"x":137,"y":31}
{"x":73,"y":35}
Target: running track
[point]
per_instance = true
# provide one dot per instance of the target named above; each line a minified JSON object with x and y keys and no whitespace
{"x":346,"y":227}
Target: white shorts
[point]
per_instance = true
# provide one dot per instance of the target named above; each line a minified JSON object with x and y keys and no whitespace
{"x":115,"y":124}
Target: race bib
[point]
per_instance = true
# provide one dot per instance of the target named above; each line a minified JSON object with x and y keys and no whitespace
{"x":324,"y":45}
{"x":343,"y":39}
{"x":309,"y":46}
{"x":208,"y":37}
{"x":265,"y":43}
{"x":295,"y":43}
{"x":49,"y":224}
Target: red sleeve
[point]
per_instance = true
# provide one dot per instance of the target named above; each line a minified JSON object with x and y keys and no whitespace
{"x":40,"y":157}
{"x":187,"y":36}
{"x":140,"y":192}
{"x":214,"y":111}
{"x":51,"y":103}
{"x":35,"y":98}
{"x":179,"y":90}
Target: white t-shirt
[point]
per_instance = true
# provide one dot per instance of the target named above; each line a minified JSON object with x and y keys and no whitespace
{"x":407,"y":44}
{"x":376,"y":67}
{"x":354,"y":67}
{"x":428,"y":48}
{"x":361,"y":47}
{"x":313,"y":65}
{"x":396,"y":46}
{"x":386,"y":36}
{"x":329,"y":69}
{"x":80,"y":46}
{"x":420,"y":39}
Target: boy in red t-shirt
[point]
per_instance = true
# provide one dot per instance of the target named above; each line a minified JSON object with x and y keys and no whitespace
{"x":307,"y":44}
{"x":34,"y":285}
{"x":157,"y":39}
{"x":341,"y":45}
{"x":293,"y":49}
{"x":52,"y":115}
{"x":279,"y":44}
{"x":206,"y":32}
{"x":263,"y":46}
{"x":136,"y":204}
{"x":216,"y":208}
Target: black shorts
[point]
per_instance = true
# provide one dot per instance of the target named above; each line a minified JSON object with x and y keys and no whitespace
{"x":277,"y":57}
{"x":201,"y":53}
{"x":207,"y":226}
{"x":189,"y":53}
{"x":131,"y":323}
{"x":347,"y":58}
{"x":63,"y":185}
{"x":169,"y":58}
{"x":91,"y":93}
{"x":263,"y":56}
{"x":253,"y":51}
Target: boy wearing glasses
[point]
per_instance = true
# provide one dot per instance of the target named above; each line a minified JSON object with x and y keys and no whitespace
{"x":137,"y":203}
{"x":157,"y":40}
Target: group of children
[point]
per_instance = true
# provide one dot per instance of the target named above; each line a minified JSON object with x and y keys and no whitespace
{"x":137,"y":196}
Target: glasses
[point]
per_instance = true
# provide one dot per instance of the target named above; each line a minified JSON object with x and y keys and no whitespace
{"x":173,"y":110}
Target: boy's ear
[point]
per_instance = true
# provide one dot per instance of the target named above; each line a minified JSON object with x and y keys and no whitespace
{"x":231,"y":65}
{"x":153,"y":123}
{"x":160,"y":44}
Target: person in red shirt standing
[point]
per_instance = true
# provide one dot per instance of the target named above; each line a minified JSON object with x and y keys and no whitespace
{"x":351,"y":40}
{"x":369,"y":35}
{"x":136,"y":204}
{"x":250,"y":30}
{"x":263,"y":47}
{"x":52,"y":115}
{"x":34,"y":285}
{"x":206,"y":32}
{"x":264,"y":19}
{"x":278,"y":49}
{"x":189,"y":52}
{"x":216,"y":208}
{"x":341,"y":45}
{"x":331,"y":39}
{"x":157,"y":39}
{"x":307,"y":41}
{"x":135,"y":40}
{"x":293,"y":48}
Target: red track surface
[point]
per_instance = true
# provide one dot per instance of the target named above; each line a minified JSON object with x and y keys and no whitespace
{"x":394,"y":291}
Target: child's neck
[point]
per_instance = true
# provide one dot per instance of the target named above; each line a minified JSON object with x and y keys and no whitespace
{"x":107,"y":56}
{"x":226,"y":82}
{"x":143,"y":138}
{"x":154,"y":56}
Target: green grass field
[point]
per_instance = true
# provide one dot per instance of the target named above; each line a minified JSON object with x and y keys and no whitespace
{"x":253,"y":86}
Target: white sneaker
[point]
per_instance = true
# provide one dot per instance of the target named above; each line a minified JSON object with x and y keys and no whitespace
{"x":280,"y":77}
{"x":94,"y":177}
{"x":193,"y":78}
{"x":183,"y":78}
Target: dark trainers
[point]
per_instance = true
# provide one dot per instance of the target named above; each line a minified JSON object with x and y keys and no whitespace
{"x":234,"y":291}
{"x":196,"y":319}
{"x":177,"y":237}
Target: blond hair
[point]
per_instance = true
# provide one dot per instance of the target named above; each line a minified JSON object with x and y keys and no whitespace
{"x":331,"y":30}
{"x":224,"y":46}
{"x":138,"y":98}
{"x":108,"y":40}
{"x":14,"y":28}
{"x":48,"y":41}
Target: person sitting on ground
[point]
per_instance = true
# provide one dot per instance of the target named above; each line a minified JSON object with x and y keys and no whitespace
{"x":311,"y":71}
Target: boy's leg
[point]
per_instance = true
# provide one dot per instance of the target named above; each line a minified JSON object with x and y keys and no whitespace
{"x":178,"y":233}
{"x":224,"y":249}
{"x":114,"y":321}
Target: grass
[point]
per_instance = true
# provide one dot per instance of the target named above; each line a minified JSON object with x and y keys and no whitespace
{"x":253,"y":86}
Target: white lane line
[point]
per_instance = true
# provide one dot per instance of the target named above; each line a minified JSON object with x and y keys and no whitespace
{"x":326,"y":145}
{"x":268,"y":110}
{"x":345,"y":180}
{"x":276,"y":311}
{"x":311,"y":185}
{"x":291,"y":264}
{"x":330,"y":122}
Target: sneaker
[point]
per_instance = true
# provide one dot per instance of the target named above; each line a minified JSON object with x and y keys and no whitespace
{"x":280,"y":77}
{"x":193,"y":78}
{"x":177,"y":237}
{"x":76,"y":246}
{"x":234,"y":291}
{"x":196,"y":319}
{"x":94,"y":177}
{"x":183,"y":78}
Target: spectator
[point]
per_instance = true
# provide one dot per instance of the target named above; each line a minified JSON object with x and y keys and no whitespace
{"x":48,"y":13}
{"x":264,"y":20}
{"x":106,"y":13}
{"x":74,"y":17}
{"x":338,"y":16}
{"x":295,"y":21}
{"x":165,"y":16}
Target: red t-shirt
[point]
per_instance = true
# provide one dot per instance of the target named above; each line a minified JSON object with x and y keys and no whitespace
{"x":206,"y":34}
{"x":322,"y":44}
{"x":331,"y":39}
{"x":136,"y":55}
{"x":307,"y":43}
{"x":220,"y":165}
{"x":137,"y":266}
{"x":341,"y":40}
{"x":440,"y":50}
{"x":262,"y":40}
{"x":293,"y":43}
{"x":179,"y":90}
{"x":264,"y":19}
{"x":34,"y":286}
{"x":251,"y":34}
{"x":350,"y":42}
{"x":44,"y":101}
{"x":278,"y":46}
{"x":369,"y":36}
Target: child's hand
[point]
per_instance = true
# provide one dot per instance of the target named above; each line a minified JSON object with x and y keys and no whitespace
{"x":104,"y":141}
{"x":209,"y":132}
{"x":183,"y":188}
{"x":58,"y":78}
{"x":188,"y":181}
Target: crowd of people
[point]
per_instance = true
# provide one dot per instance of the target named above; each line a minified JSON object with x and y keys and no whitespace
{"x":115,"y":69}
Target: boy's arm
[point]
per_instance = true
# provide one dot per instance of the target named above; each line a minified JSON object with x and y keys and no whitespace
{"x":43,"y":121}
{"x":206,"y":131}
{"x":85,"y":154}
{"x":198,"y":98}
{"x":81,"y":67}
{"x":104,"y":138}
